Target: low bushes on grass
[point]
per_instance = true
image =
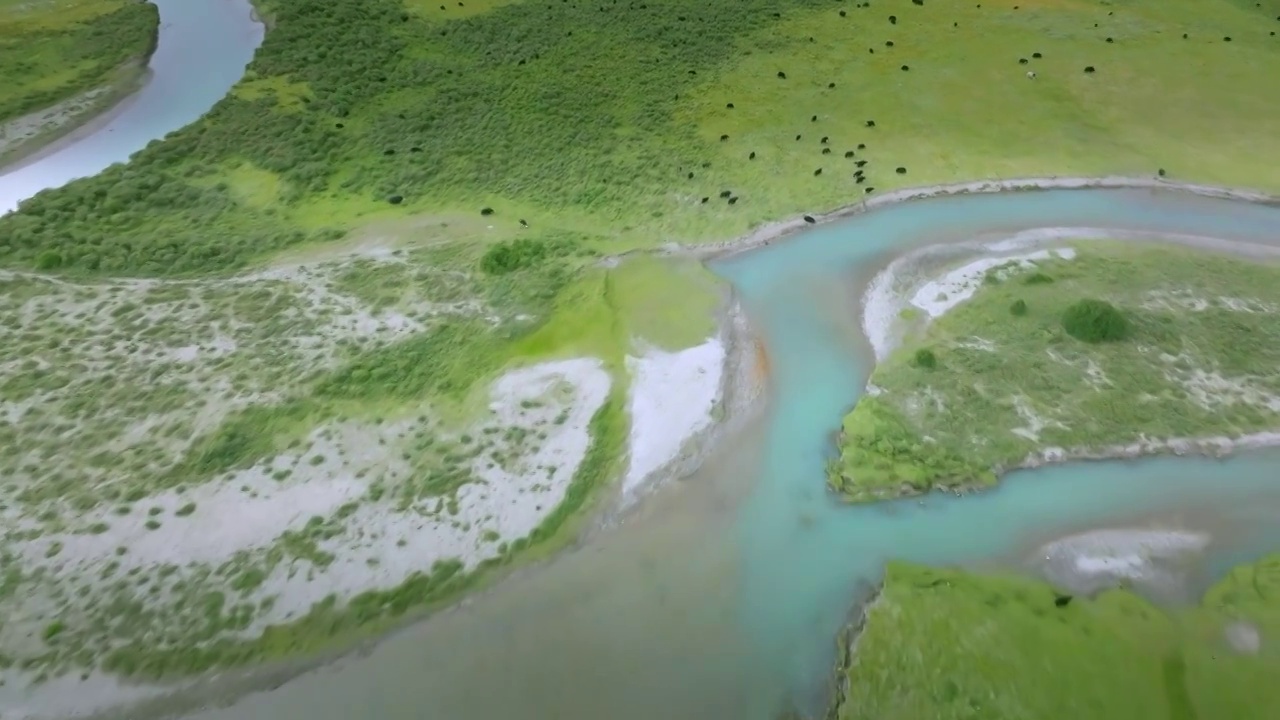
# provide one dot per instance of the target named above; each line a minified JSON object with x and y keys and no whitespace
{"x":1095,"y":321}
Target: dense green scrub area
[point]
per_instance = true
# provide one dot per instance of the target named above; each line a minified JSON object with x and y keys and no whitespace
{"x":947,"y":644}
{"x":53,"y":50}
{"x":1187,"y":349}
{"x":350,"y":106}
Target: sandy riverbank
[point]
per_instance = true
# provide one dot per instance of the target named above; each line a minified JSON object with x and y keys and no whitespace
{"x":683,"y":403}
{"x":37,"y":135}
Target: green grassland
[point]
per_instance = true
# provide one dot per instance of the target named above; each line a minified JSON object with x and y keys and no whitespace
{"x":946,"y":644}
{"x":53,"y":50}
{"x":1198,"y":360}
{"x":348,"y":104}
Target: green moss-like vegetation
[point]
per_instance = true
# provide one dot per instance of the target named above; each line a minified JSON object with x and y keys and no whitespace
{"x":539,"y":114}
{"x":53,"y":50}
{"x":946,"y":644}
{"x":1095,"y":321}
{"x":925,"y":358}
{"x":1176,"y":344}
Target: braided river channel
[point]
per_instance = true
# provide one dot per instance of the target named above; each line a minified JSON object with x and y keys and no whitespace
{"x":720,"y":596}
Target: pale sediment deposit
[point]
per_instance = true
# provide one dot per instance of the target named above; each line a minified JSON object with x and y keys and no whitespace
{"x":939,"y":295}
{"x":114,"y":539}
{"x":937,"y":278}
{"x":380,"y":542}
{"x":1156,"y":560}
{"x":673,"y":397}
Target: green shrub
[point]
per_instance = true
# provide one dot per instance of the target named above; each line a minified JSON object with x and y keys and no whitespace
{"x":506,"y":257}
{"x":926,"y":359}
{"x":1095,"y":321}
{"x":1019,"y":307}
{"x":49,"y":260}
{"x":1038,"y":278}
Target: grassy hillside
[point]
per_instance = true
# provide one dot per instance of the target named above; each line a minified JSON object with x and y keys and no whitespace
{"x":1006,"y":374}
{"x":53,"y":50}
{"x":607,"y":118}
{"x":946,"y":644}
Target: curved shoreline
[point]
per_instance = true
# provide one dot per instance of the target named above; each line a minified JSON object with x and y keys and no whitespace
{"x":147,"y":109}
{"x":80,"y":126}
{"x":780,"y":229}
{"x":135,"y":74}
{"x":737,"y":355}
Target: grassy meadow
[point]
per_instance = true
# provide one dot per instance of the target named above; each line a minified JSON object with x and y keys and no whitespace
{"x":53,"y":50}
{"x":948,"y":644}
{"x":355,"y":112}
{"x":1004,"y":376}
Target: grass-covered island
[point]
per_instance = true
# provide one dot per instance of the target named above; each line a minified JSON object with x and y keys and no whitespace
{"x":946,"y":644}
{"x":65,"y":60}
{"x":1091,"y":349}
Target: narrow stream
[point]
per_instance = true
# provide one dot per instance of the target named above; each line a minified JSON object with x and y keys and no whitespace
{"x":721,"y":599}
{"x":203,"y":49}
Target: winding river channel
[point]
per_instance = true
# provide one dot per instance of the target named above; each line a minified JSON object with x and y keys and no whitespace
{"x":720,"y":596}
{"x":203,"y":49}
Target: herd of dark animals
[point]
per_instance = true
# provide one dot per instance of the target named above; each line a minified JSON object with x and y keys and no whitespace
{"x":858,"y":175}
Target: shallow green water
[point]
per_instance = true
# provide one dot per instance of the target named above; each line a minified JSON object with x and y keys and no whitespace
{"x":722,"y":596}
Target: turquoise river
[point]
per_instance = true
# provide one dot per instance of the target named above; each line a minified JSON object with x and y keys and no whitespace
{"x":721,"y":595}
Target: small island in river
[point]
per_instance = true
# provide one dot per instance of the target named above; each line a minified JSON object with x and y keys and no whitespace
{"x":1088,"y":349}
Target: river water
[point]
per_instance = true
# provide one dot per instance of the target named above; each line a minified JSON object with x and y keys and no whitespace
{"x":203,"y":49}
{"x":722,"y":596}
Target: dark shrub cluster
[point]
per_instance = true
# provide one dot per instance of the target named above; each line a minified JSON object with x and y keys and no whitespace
{"x":1095,"y":321}
{"x":506,"y":257}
